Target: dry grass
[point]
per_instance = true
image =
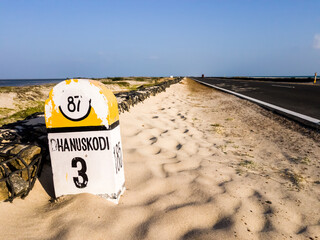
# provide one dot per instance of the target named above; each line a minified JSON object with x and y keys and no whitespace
{"x":293,"y":177}
{"x":30,"y":99}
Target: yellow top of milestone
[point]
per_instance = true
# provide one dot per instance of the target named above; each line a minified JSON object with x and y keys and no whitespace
{"x":80,"y":103}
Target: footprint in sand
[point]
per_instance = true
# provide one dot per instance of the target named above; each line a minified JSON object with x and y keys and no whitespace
{"x":179,"y":146}
{"x":164,"y":132}
{"x":153,"y":140}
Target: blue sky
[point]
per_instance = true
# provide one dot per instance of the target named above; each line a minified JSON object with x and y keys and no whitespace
{"x":69,"y":38}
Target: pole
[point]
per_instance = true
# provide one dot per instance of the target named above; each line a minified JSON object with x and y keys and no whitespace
{"x":315,"y":78}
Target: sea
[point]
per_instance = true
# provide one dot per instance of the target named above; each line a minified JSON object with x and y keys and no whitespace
{"x":28,"y":82}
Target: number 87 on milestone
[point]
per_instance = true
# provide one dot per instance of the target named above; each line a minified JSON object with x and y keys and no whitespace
{"x":82,"y":121}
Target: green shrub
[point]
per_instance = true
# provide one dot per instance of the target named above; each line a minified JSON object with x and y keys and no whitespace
{"x":117,"y":79}
{"x":140,"y":79}
{"x":22,"y":114}
{"x":122,"y":84}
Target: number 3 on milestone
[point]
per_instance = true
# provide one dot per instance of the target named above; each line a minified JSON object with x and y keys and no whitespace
{"x":75,"y":107}
{"x":81,"y":172}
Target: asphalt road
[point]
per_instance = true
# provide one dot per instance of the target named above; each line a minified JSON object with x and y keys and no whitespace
{"x":303,"y":98}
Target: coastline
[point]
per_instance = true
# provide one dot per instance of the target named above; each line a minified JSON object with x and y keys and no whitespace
{"x":199,"y":164}
{"x":18,"y":102}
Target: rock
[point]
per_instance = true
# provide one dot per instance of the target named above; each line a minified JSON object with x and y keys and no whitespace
{"x":4,"y":193}
{"x":17,"y":148}
{"x":27,"y":154}
{"x":18,"y":184}
{"x":127,"y":99}
{"x":15,"y":160}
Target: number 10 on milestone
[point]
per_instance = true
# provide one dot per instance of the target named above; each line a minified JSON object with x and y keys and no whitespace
{"x":82,"y":121}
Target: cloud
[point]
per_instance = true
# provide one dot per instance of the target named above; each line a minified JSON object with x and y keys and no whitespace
{"x":316,"y":41}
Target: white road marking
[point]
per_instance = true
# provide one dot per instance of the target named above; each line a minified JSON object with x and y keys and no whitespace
{"x":282,"y":86}
{"x":268,"y":105}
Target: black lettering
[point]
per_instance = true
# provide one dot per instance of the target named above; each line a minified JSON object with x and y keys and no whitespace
{"x":117,"y":157}
{"x":84,"y":145}
{"x":53,"y":144}
{"x":60,"y":145}
{"x":102,"y":143}
{"x":107,"y":142}
{"x":73,"y":144}
{"x":95,"y":143}
{"x":71,"y":106}
{"x":89,"y":144}
{"x":78,"y":140}
{"x":66,"y":145}
{"x":81,"y":172}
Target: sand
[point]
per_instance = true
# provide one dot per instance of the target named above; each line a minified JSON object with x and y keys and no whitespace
{"x":199,"y":164}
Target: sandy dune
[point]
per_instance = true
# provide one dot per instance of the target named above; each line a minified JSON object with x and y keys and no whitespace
{"x":199,"y":164}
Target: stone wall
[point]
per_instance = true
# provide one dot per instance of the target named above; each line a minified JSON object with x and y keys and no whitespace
{"x":128,"y":99}
{"x":24,"y":144}
{"x":19,"y":164}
